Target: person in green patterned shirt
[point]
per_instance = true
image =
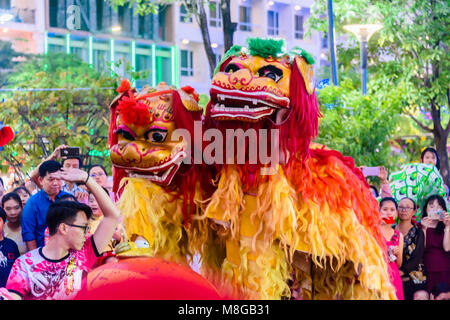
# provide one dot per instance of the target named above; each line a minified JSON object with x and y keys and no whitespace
{"x":418,"y":181}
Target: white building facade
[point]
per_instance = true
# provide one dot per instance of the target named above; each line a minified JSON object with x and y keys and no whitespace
{"x":168,"y":45}
{"x":284,"y":19}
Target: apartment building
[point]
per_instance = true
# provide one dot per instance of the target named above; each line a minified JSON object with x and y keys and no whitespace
{"x":22,"y":22}
{"x":168,"y":45}
{"x":255,"y":18}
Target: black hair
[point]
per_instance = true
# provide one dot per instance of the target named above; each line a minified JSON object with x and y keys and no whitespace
{"x":67,"y":197}
{"x":1,"y":181}
{"x":80,"y":162}
{"x":429,"y":149}
{"x":414,"y":203}
{"x":3,"y":215}
{"x":98,"y":165}
{"x":48,"y":166}
{"x":386,"y":199}
{"x":441,"y":287}
{"x":375,"y":189}
{"x":440,"y":225}
{"x":64,"y":211}
{"x":22,"y":188}
{"x":11,"y":196}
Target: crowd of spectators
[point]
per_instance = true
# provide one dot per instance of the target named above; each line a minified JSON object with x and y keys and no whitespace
{"x":66,"y":217}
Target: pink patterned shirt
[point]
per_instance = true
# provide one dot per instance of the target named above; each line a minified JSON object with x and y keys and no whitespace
{"x":34,"y":277}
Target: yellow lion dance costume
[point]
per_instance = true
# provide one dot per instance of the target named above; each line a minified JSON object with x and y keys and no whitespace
{"x":157,"y":191}
{"x":307,"y":228}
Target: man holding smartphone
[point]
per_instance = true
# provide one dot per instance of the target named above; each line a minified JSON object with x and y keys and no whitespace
{"x":73,"y":162}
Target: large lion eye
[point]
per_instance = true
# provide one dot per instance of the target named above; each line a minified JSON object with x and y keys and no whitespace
{"x":156,"y":135}
{"x":126,"y":134}
{"x":271,"y":72}
{"x":232,"y":67}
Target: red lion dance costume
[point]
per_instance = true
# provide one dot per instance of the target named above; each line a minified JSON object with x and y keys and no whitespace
{"x":157,"y":190}
{"x":309,"y":228}
{"x":158,"y":194}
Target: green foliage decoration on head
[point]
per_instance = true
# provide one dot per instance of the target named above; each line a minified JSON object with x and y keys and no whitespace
{"x":265,"y":47}
{"x":297,"y":51}
{"x":234,"y":50}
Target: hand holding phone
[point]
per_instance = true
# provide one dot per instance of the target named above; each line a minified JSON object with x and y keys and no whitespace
{"x":434,"y":214}
{"x":70,"y":152}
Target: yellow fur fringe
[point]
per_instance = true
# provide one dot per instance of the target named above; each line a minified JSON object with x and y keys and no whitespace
{"x":339,"y":244}
{"x":149,"y":211}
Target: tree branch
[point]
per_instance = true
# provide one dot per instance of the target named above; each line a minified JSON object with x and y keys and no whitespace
{"x":447,"y":129}
{"x":424,"y":127}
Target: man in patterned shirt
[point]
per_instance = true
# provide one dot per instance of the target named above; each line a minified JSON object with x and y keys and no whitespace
{"x":58,"y":270}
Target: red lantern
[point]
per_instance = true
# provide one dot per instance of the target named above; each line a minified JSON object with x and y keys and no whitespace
{"x":146,"y":279}
{"x":6,"y":135}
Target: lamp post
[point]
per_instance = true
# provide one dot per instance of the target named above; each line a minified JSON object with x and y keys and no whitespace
{"x":331,"y":40}
{"x":363,"y":33}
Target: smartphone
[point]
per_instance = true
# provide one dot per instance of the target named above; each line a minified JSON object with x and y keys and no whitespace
{"x":435,"y":215}
{"x":371,"y":171}
{"x":70,"y":152}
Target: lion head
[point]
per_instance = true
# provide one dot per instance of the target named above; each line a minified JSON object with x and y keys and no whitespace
{"x":264,"y":87}
{"x":142,"y":124}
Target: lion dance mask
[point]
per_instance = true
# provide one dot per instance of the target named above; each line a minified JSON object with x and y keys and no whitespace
{"x":157,"y":190}
{"x":308,"y":228}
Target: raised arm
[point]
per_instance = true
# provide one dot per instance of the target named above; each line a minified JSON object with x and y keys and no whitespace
{"x":400,"y":251}
{"x":111,"y":214}
{"x":55,"y":155}
{"x":28,"y":222}
{"x":385,"y":188}
{"x":446,"y":241}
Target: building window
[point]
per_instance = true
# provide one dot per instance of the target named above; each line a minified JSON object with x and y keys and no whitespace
{"x":146,"y":26}
{"x":162,"y":23}
{"x":325,"y":40}
{"x":299,"y":32}
{"x":215,"y":14}
{"x":245,"y":18}
{"x":217,"y":58}
{"x":187,"y":63}
{"x":143,"y":64}
{"x":272,"y":23}
{"x":184,"y":15}
{"x":5,"y":4}
{"x":125,"y":17}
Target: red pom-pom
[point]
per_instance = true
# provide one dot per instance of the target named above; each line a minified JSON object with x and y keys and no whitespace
{"x":125,"y":85}
{"x":133,"y":112}
{"x":191,"y":91}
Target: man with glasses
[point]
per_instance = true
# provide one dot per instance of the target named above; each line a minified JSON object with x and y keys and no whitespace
{"x":57,"y":270}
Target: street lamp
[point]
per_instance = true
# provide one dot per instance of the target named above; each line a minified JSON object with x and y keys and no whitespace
{"x":116,"y":28}
{"x":363,"y":32}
